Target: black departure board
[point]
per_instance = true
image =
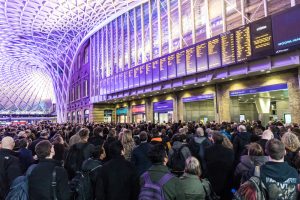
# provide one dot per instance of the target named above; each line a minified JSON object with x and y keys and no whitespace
{"x":180,"y":62}
{"x":261,"y":38}
{"x":243,"y":43}
{"x":201,"y":56}
{"x":171,"y":66}
{"x":214,"y":52}
{"x":163,"y":69}
{"x":228,"y":49}
{"x":191,"y":66}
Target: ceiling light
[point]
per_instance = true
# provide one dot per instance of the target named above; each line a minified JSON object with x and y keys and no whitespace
{"x":157,"y":92}
{"x":195,"y":84}
{"x":262,"y":70}
{"x":223,"y":78}
{"x":181,"y":89}
{"x":231,"y":79}
{"x":203,"y":84}
{"x":268,"y":71}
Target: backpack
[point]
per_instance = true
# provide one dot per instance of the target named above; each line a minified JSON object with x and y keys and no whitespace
{"x":151,"y":190}
{"x":177,"y":160}
{"x":208,"y":190}
{"x":197,"y":149}
{"x":81,"y":185}
{"x":75,"y":158}
{"x":19,"y":189}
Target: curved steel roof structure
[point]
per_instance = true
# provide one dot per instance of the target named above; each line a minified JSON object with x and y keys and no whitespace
{"x":38,"y":41}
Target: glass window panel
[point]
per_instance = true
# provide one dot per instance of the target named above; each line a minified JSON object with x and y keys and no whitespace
{"x":78,"y":61}
{"x":147,"y":42}
{"x":200,"y":20}
{"x":155,"y":39}
{"x":120,"y":43}
{"x":126,"y":44}
{"x":115,"y":46}
{"x":175,"y":25}
{"x":86,"y":55}
{"x":109,"y":53}
{"x":215,"y":17}
{"x":164,"y":27}
{"x":132,"y":38}
{"x":186,"y":13}
{"x":233,"y":16}
{"x":276,"y":6}
{"x":139,"y":35}
{"x":104,"y":41}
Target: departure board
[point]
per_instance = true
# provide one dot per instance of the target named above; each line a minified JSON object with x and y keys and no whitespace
{"x":126,"y":80}
{"x":163,"y":68}
{"x":142,"y":75}
{"x":243,"y":43}
{"x":130,"y":78}
{"x":121,"y":81}
{"x":261,"y":38}
{"x":228,"y":50}
{"x":148,"y":69}
{"x":155,"y":71}
{"x":191,"y":65}
{"x":214,"y":53}
{"x":171,"y":66}
{"x":136,"y":76}
{"x":201,"y":56}
{"x":180,"y":62}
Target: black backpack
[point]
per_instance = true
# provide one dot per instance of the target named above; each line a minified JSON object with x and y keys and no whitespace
{"x":197,"y":149}
{"x":75,"y":158}
{"x":177,"y":160}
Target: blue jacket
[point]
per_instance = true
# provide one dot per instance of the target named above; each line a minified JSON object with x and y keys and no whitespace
{"x":26,"y":159}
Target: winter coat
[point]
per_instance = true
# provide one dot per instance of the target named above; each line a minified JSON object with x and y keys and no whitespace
{"x":192,"y":187}
{"x":185,"y":150}
{"x":239,"y":144}
{"x":139,"y":158}
{"x":26,"y":159}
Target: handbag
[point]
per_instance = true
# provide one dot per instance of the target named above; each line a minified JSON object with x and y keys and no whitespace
{"x":209,"y":195}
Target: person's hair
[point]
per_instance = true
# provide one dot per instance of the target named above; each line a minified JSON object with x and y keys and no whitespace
{"x":275,"y":149}
{"x":155,"y":132}
{"x":291,"y":141}
{"x":115,"y":148}
{"x":83,"y":133}
{"x":226,"y":142}
{"x":242,"y":128}
{"x":143,"y":136}
{"x":192,"y":166}
{"x":200,"y":131}
{"x":127,"y":137}
{"x":97,"y":131}
{"x":157,"y":153}
{"x":217,"y":137}
{"x":23,"y":143}
{"x":267,"y":134}
{"x":43,"y":149}
{"x":255,"y":149}
{"x":97,"y":151}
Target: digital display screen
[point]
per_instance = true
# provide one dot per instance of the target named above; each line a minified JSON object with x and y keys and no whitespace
{"x":286,"y":29}
{"x":180,"y":61}
{"x":136,"y":76}
{"x":148,"y":69}
{"x":121,"y":81}
{"x":126,"y":80}
{"x":130,"y":78}
{"x":155,"y":71}
{"x":191,"y":65}
{"x":228,"y":50}
{"x":243,"y":44}
{"x":214,"y":52}
{"x":142,"y":75}
{"x":261,"y":38}
{"x":201,"y":56}
{"x":163,"y":69}
{"x":171,"y":66}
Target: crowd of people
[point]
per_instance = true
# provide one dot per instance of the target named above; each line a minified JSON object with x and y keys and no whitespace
{"x":170,"y":161}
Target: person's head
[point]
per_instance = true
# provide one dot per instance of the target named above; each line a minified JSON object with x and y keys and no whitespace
{"x":291,"y":141}
{"x":84,"y":134}
{"x":127,"y":137}
{"x":44,"y":134}
{"x":226,"y":142}
{"x":98,"y":131}
{"x":242,"y":128}
{"x":254,"y":149}
{"x":276,"y":150}
{"x":7,"y":143}
{"x":155,"y":132}
{"x":44,"y":149}
{"x":217,"y":137}
{"x":99,"y":152}
{"x":200,"y":131}
{"x":157,"y":154}
{"x":23,"y":143}
{"x":267,"y":135}
{"x":116,"y":148}
{"x":143,"y":136}
{"x":192,"y":166}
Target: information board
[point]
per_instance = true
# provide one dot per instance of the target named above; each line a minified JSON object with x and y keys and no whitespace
{"x":214,"y":53}
{"x":171,"y":66}
{"x":142,"y":75}
{"x":261,"y":38}
{"x":201,"y":56}
{"x":191,"y":64}
{"x":228,"y":49}
{"x":155,"y":71}
{"x":136,"y":76}
{"x":130,"y":78}
{"x":126,"y":80}
{"x":163,"y":68}
{"x":121,"y":81}
{"x":180,"y":62}
{"x":148,"y":67}
{"x":243,"y":43}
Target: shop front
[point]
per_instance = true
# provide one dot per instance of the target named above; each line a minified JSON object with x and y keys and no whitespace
{"x":163,"y":111}
{"x":86,"y":116}
{"x":108,"y":114}
{"x":138,"y":113}
{"x":122,"y":115}
{"x":199,"y":108}
{"x":73,"y":117}
{"x":78,"y":116}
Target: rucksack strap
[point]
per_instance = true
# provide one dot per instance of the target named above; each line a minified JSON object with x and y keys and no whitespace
{"x":165,"y":179}
{"x":147,"y":178}
{"x":30,"y":169}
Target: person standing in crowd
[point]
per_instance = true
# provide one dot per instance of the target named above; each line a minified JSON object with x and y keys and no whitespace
{"x":279,"y":178}
{"x":292,"y":147}
{"x":139,"y":156}
{"x":158,"y":157}
{"x":266,"y":136}
{"x":44,"y":135}
{"x":97,"y":138}
{"x":117,"y":179}
{"x":10,"y":167}
{"x":25,"y":155}
{"x":128,"y":143}
{"x":74,"y":139}
{"x":41,"y":178}
{"x":240,"y":141}
{"x":220,"y":162}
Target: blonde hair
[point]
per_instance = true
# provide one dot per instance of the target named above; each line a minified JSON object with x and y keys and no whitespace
{"x":226,"y":142}
{"x":290,"y":141}
{"x":192,"y":166}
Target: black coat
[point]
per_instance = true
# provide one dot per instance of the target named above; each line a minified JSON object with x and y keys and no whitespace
{"x":117,"y":180}
{"x":140,"y":159}
{"x":40,"y":181}
{"x":34,"y":143}
{"x":219,"y":163}
{"x":26,"y":158}
{"x":239,"y":144}
{"x":10,"y":169}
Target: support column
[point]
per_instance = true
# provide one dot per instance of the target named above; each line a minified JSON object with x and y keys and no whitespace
{"x":149,"y":110}
{"x":223,"y":103}
{"x":294,"y":97}
{"x":175,"y":108}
